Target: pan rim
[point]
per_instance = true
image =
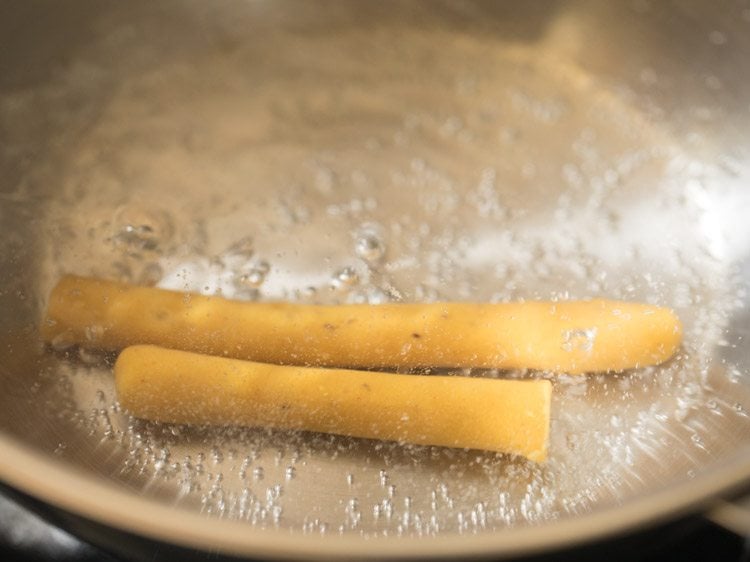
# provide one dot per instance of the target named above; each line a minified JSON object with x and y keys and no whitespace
{"x":71,"y":489}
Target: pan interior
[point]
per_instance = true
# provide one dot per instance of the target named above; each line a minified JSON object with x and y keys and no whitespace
{"x":399,"y":152}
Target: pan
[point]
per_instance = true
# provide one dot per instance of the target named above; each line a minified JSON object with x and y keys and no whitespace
{"x":343,"y":152}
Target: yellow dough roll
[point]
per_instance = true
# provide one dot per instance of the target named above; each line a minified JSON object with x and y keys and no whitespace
{"x":573,"y":337}
{"x":509,"y":416}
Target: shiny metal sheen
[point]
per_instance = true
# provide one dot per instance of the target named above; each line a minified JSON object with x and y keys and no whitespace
{"x":340,"y":152}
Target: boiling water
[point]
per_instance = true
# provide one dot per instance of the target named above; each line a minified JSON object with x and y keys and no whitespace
{"x":282,"y":166}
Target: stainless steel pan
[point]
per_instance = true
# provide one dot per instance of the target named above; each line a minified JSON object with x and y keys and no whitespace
{"x":347,"y":152}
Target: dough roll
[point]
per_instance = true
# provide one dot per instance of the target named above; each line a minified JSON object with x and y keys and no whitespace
{"x":572,"y":337}
{"x":165,"y":385}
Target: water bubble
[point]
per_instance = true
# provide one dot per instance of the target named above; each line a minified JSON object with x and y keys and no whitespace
{"x":136,"y":230}
{"x":255,"y":276}
{"x":369,"y":295}
{"x":579,"y":339}
{"x":386,"y":507}
{"x":273,"y":493}
{"x":383,"y":477}
{"x":369,"y":246}
{"x":136,"y":237}
{"x":734,"y":375}
{"x":345,"y":278}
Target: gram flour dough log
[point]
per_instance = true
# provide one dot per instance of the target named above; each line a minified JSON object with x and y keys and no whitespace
{"x":572,"y":337}
{"x":510,"y":416}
